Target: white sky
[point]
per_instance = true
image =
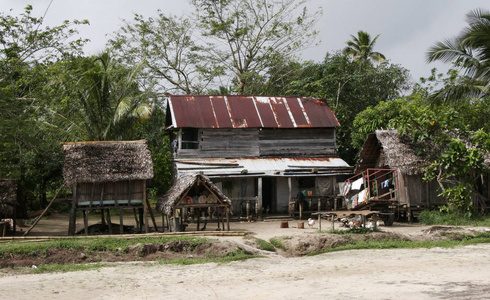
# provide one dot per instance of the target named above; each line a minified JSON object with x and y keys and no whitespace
{"x":407,"y":27}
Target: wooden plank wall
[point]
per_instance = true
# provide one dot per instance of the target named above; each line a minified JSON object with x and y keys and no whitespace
{"x":120,"y":190}
{"x":298,"y":142}
{"x":252,"y":142}
{"x":224,"y":143}
{"x":416,"y":192}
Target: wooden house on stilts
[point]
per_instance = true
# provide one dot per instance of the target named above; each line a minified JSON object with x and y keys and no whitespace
{"x":105,"y":176}
{"x":384,"y":149}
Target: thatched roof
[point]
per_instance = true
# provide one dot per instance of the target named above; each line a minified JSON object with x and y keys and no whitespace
{"x":385,"y":149}
{"x":106,"y":162}
{"x":8,"y":198}
{"x":183,"y":185}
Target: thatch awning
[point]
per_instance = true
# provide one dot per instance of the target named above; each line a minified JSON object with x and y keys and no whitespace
{"x":183,"y":185}
{"x":385,"y":149}
{"x":8,"y":198}
{"x":106,"y":162}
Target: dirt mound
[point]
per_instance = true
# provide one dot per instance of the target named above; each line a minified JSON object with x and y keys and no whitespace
{"x":138,"y":252}
{"x":303,"y":245}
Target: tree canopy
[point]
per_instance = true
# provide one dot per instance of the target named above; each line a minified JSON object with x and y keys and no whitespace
{"x":361,"y":47}
{"x":470,"y":52}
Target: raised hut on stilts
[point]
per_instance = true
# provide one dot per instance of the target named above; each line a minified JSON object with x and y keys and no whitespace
{"x":108,"y":175}
{"x":195,"y":196}
{"x":12,"y":205}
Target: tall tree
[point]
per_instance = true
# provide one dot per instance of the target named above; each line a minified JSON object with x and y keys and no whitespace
{"x":349,"y":89}
{"x":469,"y":52}
{"x":102,"y":99}
{"x":361,"y":47}
{"x":27,"y":48}
{"x":167,"y":49}
{"x":248,"y":37}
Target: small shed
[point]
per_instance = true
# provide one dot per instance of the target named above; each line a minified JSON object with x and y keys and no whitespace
{"x":195,"y":194}
{"x":108,"y":175}
{"x":12,"y":205}
{"x":384,"y":149}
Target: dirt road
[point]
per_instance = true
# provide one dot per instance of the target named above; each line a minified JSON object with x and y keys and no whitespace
{"x":460,"y":273}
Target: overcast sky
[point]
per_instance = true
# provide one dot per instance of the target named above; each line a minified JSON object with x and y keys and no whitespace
{"x":407,"y":27}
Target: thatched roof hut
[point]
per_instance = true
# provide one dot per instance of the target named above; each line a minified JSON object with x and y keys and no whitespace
{"x":178,"y":192}
{"x":11,"y":205}
{"x":107,"y":175}
{"x":106,"y":162}
{"x":385,"y":149}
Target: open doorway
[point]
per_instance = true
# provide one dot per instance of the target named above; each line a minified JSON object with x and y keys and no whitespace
{"x":269,"y":195}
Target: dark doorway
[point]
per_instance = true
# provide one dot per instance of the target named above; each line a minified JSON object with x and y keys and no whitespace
{"x":268,"y":194}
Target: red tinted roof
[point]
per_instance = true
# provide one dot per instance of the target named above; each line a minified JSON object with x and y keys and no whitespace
{"x":249,"y":112}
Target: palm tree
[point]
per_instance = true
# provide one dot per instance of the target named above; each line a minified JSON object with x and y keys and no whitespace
{"x":111,"y":103}
{"x":470,"y":52}
{"x":361,"y":48}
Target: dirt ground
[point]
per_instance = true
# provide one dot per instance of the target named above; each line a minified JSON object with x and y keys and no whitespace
{"x":458,"y":273}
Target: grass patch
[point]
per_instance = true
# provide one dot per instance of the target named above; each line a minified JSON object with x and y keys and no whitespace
{"x":232,"y":256}
{"x":434,"y":217}
{"x":88,"y":245}
{"x":278,"y":244}
{"x":352,"y":231}
{"x":461,"y":240}
{"x":264,"y":245}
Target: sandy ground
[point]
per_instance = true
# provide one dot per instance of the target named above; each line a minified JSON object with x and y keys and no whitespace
{"x":459,"y":273}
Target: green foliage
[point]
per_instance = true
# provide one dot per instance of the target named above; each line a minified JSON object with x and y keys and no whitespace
{"x":172,"y":58}
{"x":361,"y":48}
{"x":463,"y":240}
{"x":29,"y":150}
{"x":264,"y":245}
{"x":90,"y":245}
{"x":350,"y":87}
{"x":361,"y":230}
{"x":258,"y":36}
{"x":469,"y":52}
{"x":232,"y":256}
{"x":453,"y":138}
{"x":278,"y":243}
{"x":437,"y":217}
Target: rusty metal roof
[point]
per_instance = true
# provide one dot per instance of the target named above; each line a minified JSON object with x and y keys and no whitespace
{"x":249,"y":112}
{"x":258,"y":167}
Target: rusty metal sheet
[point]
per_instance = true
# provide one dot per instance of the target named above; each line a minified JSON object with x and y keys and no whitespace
{"x":216,"y":167}
{"x":249,"y":112}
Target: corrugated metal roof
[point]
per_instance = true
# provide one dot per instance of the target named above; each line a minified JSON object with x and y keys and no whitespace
{"x":249,"y":112}
{"x":259,"y":167}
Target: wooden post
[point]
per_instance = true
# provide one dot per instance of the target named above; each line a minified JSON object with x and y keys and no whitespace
{"x":121,"y":225}
{"x":145,"y":207}
{"x":85,"y":221}
{"x":73,"y":213}
{"x":319,"y":222}
{"x":259,"y":184}
{"x":227,"y":219}
{"x":300,"y":210}
{"x":333,"y":222}
{"x":136,"y":220}
{"x":109,"y":221}
{"x":175,"y":220}
{"x":151,"y":215}
{"x":247,"y":210}
{"x":290,"y":188}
